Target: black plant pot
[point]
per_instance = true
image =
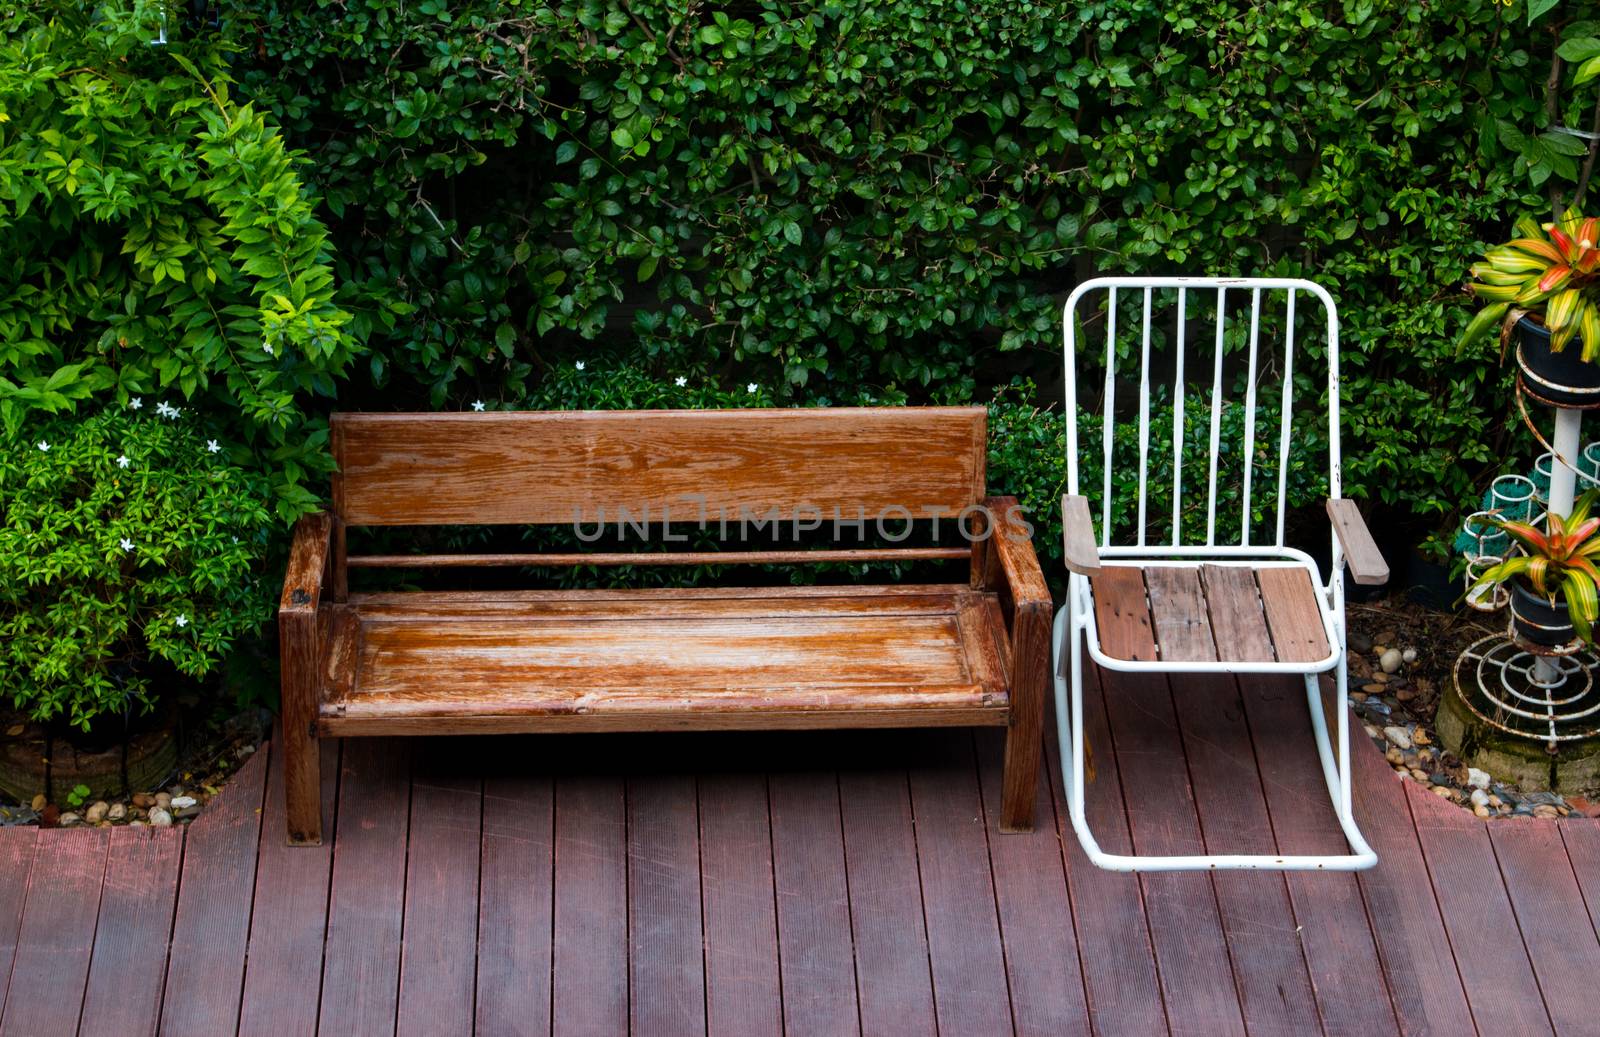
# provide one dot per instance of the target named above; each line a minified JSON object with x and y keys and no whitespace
{"x":1538,"y":621}
{"x":1561,"y":379}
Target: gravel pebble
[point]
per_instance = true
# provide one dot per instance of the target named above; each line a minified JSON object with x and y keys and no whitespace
{"x":1399,"y":736}
{"x":159,"y":817}
{"x":1390,"y":660}
{"x":1477,"y":779}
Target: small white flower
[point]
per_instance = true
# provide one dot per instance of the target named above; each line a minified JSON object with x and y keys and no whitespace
{"x":234,"y":539}
{"x":212,"y":446}
{"x":44,"y":447}
{"x":266,"y":346}
{"x":682,"y":381}
{"x":752,"y":387}
{"x":182,"y":620}
{"x":166,"y":410}
{"x":136,"y":403}
{"x":123,"y":462}
{"x":579,"y":365}
{"x":126,"y":544}
{"x":477,"y":405}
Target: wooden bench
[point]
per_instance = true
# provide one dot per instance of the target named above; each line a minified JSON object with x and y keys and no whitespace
{"x":973,"y":652}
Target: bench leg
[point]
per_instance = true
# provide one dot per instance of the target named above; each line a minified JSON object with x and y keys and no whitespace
{"x":1030,"y":660}
{"x":302,"y":785}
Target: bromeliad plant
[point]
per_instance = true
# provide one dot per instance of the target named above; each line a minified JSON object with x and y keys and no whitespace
{"x":1551,"y":270}
{"x":1558,"y":561}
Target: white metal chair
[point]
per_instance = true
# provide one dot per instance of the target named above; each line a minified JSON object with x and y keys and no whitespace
{"x":1156,"y":597}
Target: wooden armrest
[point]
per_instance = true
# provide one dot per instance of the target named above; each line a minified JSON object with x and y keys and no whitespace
{"x":1360,"y":550}
{"x":1078,"y":549}
{"x":1012,"y":538}
{"x":308,"y":559}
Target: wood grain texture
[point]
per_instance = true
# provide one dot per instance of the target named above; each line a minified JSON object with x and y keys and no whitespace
{"x":366,"y":902}
{"x":969,"y":973}
{"x":438,"y":957}
{"x":516,"y":901}
{"x":814,"y":946}
{"x":1114,"y":945}
{"x":891,"y":941}
{"x":1043,"y":972}
{"x":728,"y":720}
{"x":300,"y":656}
{"x":1179,"y":614}
{"x":136,"y":903}
{"x":741,"y":921}
{"x":1122,"y":615}
{"x":211,"y":929}
{"x":1423,"y":980}
{"x":1551,"y":914}
{"x":1078,"y":548}
{"x":590,"y":973}
{"x":557,"y":467}
{"x":1473,"y":901}
{"x":1293,"y":615}
{"x":56,"y":937}
{"x":614,"y":558}
{"x":283,"y":969}
{"x":1361,"y":552}
{"x":1233,"y":604}
{"x":666,"y":945}
{"x":1341,"y":954}
{"x":17,"y":844}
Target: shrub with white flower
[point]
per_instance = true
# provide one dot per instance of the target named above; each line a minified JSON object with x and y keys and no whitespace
{"x":130,"y":563}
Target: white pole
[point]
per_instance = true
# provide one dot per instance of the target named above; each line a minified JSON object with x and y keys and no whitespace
{"x":1563,"y":486}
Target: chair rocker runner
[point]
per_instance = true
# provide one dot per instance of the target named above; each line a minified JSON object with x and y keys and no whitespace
{"x":1193,"y":593}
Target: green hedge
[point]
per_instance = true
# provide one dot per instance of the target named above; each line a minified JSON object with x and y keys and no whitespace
{"x":831,"y":194}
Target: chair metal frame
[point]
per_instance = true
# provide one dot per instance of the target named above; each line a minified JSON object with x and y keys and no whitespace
{"x":1075,"y":627}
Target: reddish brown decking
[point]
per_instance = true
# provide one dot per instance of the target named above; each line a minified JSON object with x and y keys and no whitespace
{"x":807,"y":883}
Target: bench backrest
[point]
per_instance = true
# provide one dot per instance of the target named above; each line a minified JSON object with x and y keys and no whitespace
{"x":558,"y":467}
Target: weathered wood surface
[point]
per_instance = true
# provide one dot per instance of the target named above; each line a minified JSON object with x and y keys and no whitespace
{"x":1078,"y":548}
{"x":558,"y":467}
{"x":1361,"y":552}
{"x":770,"y":878}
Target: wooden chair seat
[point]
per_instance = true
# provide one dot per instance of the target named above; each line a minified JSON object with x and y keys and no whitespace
{"x":1209,"y":613}
{"x":699,"y":659}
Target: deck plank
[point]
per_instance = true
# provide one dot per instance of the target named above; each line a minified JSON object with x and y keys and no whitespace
{"x":1345,"y":969}
{"x":814,"y":951}
{"x":136,"y":905}
{"x":1121,"y":981}
{"x":366,"y":902}
{"x":1580,"y":836}
{"x":17,"y":845}
{"x":741,"y":919}
{"x":284,"y":962}
{"x":440,"y":922}
{"x":666,"y":944}
{"x":886,"y":914}
{"x":56,"y":937}
{"x":1038,"y":933}
{"x":1551,"y":914}
{"x":590,"y":970}
{"x":216,"y":891}
{"x":516,"y":904}
{"x":1473,"y":900}
{"x":1423,"y":979}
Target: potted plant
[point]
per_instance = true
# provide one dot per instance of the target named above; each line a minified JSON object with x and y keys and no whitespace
{"x":1555,"y":587}
{"x":1545,"y":286}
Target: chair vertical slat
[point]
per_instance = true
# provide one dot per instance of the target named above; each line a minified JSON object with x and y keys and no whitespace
{"x":1177,"y":426}
{"x":1110,"y":420}
{"x":1250,"y":414}
{"x":1216,"y":420}
{"x":1288,"y":402}
{"x":1144,"y":413}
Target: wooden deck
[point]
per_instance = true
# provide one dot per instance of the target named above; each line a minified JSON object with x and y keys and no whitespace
{"x":806,"y":883}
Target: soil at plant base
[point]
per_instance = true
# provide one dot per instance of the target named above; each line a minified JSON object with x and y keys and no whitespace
{"x":1398,"y":705}
{"x":212,"y":749}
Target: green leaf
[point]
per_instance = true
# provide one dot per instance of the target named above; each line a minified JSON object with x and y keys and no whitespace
{"x":791,"y":231}
{"x":621,"y":137}
{"x":505,"y":337}
{"x":1538,"y":8}
{"x":1587,"y":71}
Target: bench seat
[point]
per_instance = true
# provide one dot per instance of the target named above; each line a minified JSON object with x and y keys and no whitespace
{"x":695,"y":659}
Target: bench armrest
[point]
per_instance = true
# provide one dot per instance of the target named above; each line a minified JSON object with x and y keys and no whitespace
{"x":1012,"y":539}
{"x":1077,"y":536}
{"x":1360,"y":550}
{"x":308,"y":560}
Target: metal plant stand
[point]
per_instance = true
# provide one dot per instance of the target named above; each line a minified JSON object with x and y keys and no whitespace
{"x":1524,"y":711}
